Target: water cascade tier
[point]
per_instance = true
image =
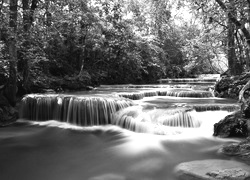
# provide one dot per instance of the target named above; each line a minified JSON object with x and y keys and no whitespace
{"x":157,"y":121}
{"x":158,"y":109}
{"x":78,"y":110}
{"x":174,"y":92}
{"x":215,"y":107}
{"x":204,"y":80}
{"x":187,"y":93}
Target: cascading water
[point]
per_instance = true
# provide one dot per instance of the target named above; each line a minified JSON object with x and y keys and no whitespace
{"x":180,"y":92}
{"x":78,"y":110}
{"x":167,"y":122}
{"x":116,"y":109}
{"x":136,"y":132}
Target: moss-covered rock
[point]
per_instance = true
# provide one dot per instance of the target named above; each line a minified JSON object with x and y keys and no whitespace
{"x":8,"y":114}
{"x":240,"y":149}
{"x":234,"y":125}
{"x":230,"y":86}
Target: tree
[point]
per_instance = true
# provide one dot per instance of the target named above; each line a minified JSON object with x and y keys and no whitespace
{"x":232,"y":60}
{"x":28,"y":13}
{"x":100,"y":41}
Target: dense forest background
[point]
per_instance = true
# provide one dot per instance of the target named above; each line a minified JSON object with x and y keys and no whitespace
{"x":63,"y":44}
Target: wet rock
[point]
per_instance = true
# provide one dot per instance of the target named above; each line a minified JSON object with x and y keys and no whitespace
{"x":230,"y":86}
{"x":240,"y":149}
{"x":222,"y":86}
{"x":8,"y":114}
{"x":234,"y":125}
{"x":245,"y":108}
{"x":213,"y":169}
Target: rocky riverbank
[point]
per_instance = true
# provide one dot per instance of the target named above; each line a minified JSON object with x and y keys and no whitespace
{"x":238,"y":123}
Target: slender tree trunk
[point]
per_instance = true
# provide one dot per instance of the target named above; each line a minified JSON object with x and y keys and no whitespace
{"x":11,"y":87}
{"x":231,"y":47}
{"x":26,"y":44}
{"x":83,"y":53}
{"x":248,"y":47}
{"x":240,"y":49}
{"x":232,"y":60}
{"x":28,"y":13}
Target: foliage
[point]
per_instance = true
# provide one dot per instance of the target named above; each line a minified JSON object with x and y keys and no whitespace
{"x":230,"y":18}
{"x":116,"y":41}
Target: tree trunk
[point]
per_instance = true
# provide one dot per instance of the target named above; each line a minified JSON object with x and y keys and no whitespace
{"x":247,"y":58}
{"x":11,"y":87}
{"x":231,"y":45}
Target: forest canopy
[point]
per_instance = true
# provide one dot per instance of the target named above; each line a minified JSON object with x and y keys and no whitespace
{"x":120,"y":41}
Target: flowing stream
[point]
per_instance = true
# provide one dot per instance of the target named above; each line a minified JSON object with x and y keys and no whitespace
{"x":123,"y":132}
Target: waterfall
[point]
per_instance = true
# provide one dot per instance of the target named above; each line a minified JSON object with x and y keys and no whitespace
{"x":216,"y":107}
{"x":133,"y":96}
{"x":78,"y":110}
{"x":157,"y":121}
{"x":200,"y":80}
{"x":186,"y":93}
{"x":154,"y":114}
{"x":181,"y":119}
{"x":138,"y":95}
{"x":180,"y":92}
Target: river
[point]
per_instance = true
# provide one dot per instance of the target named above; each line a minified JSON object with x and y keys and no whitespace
{"x":136,"y":144}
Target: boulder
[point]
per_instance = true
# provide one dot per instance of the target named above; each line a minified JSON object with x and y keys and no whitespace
{"x":213,"y":169}
{"x":234,"y":125}
{"x":223,"y":85}
{"x":8,"y":115}
{"x":245,"y":108}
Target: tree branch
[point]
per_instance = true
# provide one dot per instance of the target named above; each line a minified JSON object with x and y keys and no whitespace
{"x":221,"y":24}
